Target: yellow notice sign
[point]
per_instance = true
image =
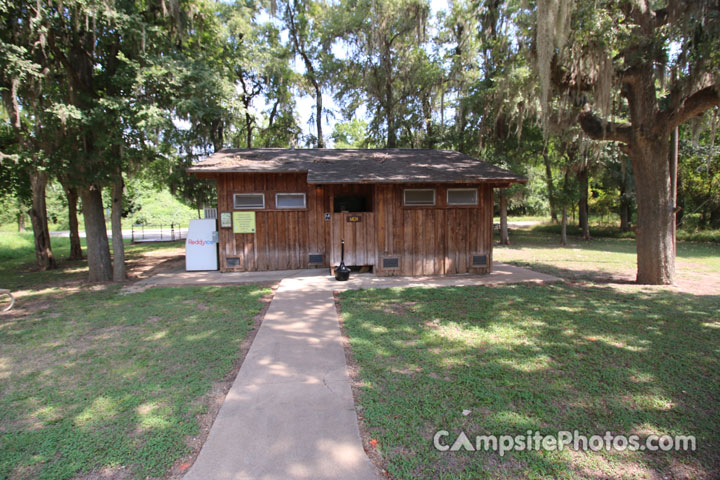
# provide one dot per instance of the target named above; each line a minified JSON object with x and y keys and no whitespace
{"x":243,"y":222}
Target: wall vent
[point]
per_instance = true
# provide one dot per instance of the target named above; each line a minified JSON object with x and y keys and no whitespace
{"x":232,"y":261}
{"x":391,"y":262}
{"x":479,"y":261}
{"x":316,"y":258}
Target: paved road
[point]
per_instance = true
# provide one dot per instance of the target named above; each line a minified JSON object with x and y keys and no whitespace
{"x":149,"y":235}
{"x":520,"y":223}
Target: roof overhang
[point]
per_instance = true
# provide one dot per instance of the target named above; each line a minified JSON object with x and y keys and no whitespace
{"x":344,"y":166}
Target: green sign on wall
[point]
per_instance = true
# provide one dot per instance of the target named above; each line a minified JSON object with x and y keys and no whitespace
{"x":243,"y":222}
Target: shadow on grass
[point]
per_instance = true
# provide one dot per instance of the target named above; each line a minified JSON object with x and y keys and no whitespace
{"x":544,"y":358}
{"x":101,"y":382}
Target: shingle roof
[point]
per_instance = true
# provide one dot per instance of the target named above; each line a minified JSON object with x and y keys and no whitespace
{"x":388,"y":165}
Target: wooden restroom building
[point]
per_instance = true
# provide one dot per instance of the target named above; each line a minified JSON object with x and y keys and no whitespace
{"x":400,"y":211}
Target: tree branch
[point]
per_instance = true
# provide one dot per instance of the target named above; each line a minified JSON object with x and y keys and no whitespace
{"x":694,"y":105}
{"x":644,"y":16}
{"x":596,"y":129}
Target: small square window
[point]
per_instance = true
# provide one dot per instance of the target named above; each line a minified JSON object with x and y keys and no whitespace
{"x":419,"y":196}
{"x":462,"y":196}
{"x":290,"y":200}
{"x":246,"y":201}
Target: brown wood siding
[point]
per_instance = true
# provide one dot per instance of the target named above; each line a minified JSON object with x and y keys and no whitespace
{"x":284,"y":239}
{"x":432,"y":240}
{"x":426,"y":240}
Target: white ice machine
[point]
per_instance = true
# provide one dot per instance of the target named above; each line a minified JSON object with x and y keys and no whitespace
{"x":201,"y":245}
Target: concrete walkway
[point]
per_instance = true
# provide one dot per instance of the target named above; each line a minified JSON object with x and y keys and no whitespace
{"x":290,"y":412}
{"x":320,"y":278}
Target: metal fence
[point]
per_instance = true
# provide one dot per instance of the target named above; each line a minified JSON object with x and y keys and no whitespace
{"x":158,"y":233}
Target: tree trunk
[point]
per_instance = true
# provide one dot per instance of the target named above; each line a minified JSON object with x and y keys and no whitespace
{"x":119,"y":272}
{"x":624,"y":213}
{"x":582,"y":177}
{"x":217,"y":130}
{"x":625,"y":201}
{"x":248,"y":125}
{"x":318,"y":115}
{"x":563,"y":227}
{"x":550,"y":188}
{"x":655,"y":252}
{"x":673,"y":168}
{"x":98,"y":250}
{"x":504,"y":237}
{"x":391,"y":133}
{"x":38,"y":217}
{"x":389,"y":104}
{"x":75,"y":247}
{"x":714,"y":217}
{"x":21,"y":222}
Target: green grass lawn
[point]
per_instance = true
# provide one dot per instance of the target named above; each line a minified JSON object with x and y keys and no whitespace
{"x":600,"y":258}
{"x":17,"y":260}
{"x":96,"y":381}
{"x":543,"y":358}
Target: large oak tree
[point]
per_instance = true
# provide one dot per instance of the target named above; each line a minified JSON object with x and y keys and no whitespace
{"x":662,"y":61}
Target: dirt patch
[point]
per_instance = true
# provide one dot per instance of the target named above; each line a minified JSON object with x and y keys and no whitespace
{"x":154,"y":262}
{"x":692,"y":278}
{"x":107,"y":473}
{"x":369,"y":444}
{"x":139,"y":266}
{"x":215,"y":398}
{"x":696,"y":279}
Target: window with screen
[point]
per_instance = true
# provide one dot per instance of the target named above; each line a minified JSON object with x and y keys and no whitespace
{"x":290,"y":200}
{"x":419,"y":196}
{"x":245,"y":201}
{"x":462,"y":196}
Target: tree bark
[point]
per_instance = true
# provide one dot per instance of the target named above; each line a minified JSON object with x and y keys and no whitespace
{"x":71,"y":194}
{"x":217,"y":131}
{"x":318,"y":114}
{"x":389,"y":96}
{"x":504,"y":236}
{"x":21,"y":222}
{"x":673,"y":168}
{"x":625,"y":202}
{"x":655,"y":206}
{"x":550,"y":188}
{"x":655,"y":252}
{"x":98,"y":250}
{"x":563,"y":227}
{"x":624,"y":213}
{"x":38,"y":217}
{"x":391,"y":133}
{"x":119,"y":271}
{"x":584,"y":224}
{"x":248,"y":125}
